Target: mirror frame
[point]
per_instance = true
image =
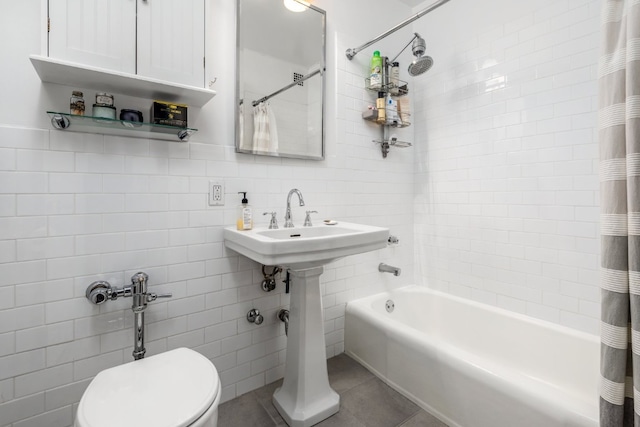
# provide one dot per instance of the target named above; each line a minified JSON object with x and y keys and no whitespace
{"x":323,"y":70}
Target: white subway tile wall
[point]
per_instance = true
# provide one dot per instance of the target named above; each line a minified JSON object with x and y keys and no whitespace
{"x":506,"y":177}
{"x":499,"y":189}
{"x":108,"y":216}
{"x":75,"y":208}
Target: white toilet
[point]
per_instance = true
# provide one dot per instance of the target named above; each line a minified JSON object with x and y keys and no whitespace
{"x":179,"y":388}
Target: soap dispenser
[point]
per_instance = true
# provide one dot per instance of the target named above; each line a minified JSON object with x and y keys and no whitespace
{"x":245,"y":219}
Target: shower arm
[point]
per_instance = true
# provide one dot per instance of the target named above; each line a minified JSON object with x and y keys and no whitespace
{"x":415,"y":36}
{"x":354,"y":51}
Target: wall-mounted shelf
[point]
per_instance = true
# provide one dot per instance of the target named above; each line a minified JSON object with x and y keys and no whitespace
{"x":84,"y":76}
{"x":396,"y":89}
{"x":401,"y":89}
{"x":90,"y":124}
{"x":386,"y":144}
{"x":394,"y":142}
{"x":402,"y":122}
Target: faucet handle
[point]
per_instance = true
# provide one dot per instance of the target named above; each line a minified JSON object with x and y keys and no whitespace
{"x":307,"y":219}
{"x":152,"y":296}
{"x":273,"y":224}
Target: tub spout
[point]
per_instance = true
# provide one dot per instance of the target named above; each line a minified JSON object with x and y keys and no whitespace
{"x":385,"y":268}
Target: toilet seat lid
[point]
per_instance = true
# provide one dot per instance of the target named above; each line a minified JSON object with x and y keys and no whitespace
{"x":171,"y":389}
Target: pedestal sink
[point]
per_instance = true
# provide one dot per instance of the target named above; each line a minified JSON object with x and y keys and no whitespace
{"x":305,"y":397}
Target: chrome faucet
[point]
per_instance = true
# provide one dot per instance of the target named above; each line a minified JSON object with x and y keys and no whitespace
{"x":385,"y":268}
{"x":101,"y":291}
{"x":288,"y":223}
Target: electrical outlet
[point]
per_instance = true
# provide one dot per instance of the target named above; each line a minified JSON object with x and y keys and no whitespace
{"x":216,"y":193}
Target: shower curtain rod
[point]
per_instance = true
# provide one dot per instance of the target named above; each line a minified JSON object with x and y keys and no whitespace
{"x":352,"y":52}
{"x":287,"y":87}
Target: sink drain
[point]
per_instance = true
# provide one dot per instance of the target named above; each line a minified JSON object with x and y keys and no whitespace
{"x":390,"y":305}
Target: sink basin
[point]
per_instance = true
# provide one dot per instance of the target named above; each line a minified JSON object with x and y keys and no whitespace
{"x":305,"y":247}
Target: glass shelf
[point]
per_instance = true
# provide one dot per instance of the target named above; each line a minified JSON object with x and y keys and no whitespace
{"x":90,"y":124}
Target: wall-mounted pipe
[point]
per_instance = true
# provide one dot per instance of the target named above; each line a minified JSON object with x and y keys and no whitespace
{"x":283,"y":315}
{"x":354,"y":51}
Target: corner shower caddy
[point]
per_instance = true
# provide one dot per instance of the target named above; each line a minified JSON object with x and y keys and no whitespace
{"x":402,"y":89}
{"x":422,"y":64}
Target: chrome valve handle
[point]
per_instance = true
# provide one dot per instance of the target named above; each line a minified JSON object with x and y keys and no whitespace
{"x":101,"y":291}
{"x":254,"y":316}
{"x":273,"y":223}
{"x":153,"y":296}
{"x":307,"y":219}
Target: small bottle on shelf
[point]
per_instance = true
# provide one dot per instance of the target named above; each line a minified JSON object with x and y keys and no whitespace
{"x":391,"y":110}
{"x":381,"y":107}
{"x":77,"y":103}
{"x":395,"y":78}
{"x":375,"y":74}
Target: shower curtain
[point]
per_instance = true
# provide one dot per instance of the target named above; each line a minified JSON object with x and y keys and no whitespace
{"x":619,"y":137}
{"x":265,"y":135}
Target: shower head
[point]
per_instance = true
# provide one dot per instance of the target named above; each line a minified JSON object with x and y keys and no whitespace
{"x":422,"y":63}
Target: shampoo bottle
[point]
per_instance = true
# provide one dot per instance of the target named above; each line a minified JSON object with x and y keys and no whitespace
{"x":395,"y":78}
{"x":245,"y":219}
{"x":375,"y":75}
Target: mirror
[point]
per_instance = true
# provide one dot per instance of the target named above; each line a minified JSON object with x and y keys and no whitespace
{"x":280,"y":68}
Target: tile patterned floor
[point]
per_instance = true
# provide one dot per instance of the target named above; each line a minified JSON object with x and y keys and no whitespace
{"x":365,"y":401}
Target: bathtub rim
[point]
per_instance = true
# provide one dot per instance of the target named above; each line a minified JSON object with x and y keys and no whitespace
{"x":503,"y":311}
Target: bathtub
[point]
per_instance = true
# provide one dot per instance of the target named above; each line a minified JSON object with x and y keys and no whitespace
{"x":474,"y":365}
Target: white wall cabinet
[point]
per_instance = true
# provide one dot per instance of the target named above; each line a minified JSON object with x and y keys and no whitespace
{"x":171,"y":40}
{"x":100,"y":33}
{"x":158,"y":39}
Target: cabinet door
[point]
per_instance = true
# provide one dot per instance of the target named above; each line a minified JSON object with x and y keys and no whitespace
{"x":171,"y":40}
{"x":100,"y":33}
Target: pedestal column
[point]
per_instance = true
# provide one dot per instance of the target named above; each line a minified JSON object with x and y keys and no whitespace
{"x":305,"y":397}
